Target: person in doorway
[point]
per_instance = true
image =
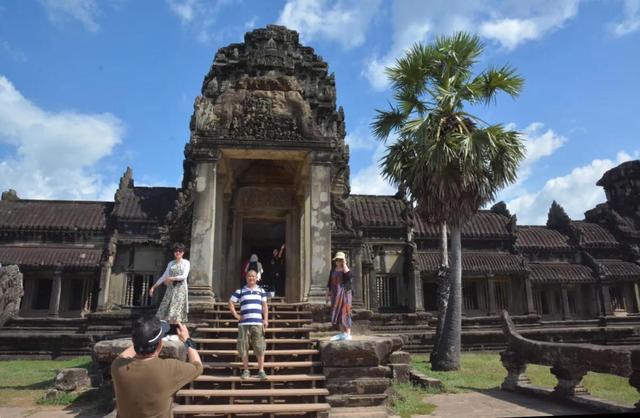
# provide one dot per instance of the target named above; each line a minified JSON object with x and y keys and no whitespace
{"x":252,"y":321}
{"x":254,"y":264}
{"x":276,"y":269}
{"x":175,"y":304}
{"x":339,"y":295}
{"x":144,"y":384}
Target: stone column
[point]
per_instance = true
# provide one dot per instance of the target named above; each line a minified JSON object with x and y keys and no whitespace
{"x":56,"y":291}
{"x":491,"y":291}
{"x":358,"y":284}
{"x":636,"y":296}
{"x":569,"y":381}
{"x":531,"y":307}
{"x":320,"y":227}
{"x":418,"y":291}
{"x":218,"y":255}
{"x":606,"y":296}
{"x":105,"y":281}
{"x":203,"y":235}
{"x":566,"y":311}
{"x":516,"y":369}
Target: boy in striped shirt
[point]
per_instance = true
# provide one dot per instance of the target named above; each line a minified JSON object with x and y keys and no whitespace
{"x":253,"y":318}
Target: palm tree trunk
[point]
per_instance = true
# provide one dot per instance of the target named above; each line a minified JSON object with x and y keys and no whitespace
{"x":442,"y":297}
{"x":448,"y":350}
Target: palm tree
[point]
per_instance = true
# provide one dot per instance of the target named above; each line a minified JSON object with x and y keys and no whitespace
{"x":450,"y":161}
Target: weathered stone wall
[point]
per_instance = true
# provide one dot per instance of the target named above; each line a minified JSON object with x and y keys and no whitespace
{"x":11,"y":292}
{"x":360,"y":371}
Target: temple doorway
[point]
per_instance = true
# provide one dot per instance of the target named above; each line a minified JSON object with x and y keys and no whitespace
{"x":263,"y":237}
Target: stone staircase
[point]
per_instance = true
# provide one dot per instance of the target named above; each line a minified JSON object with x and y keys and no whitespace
{"x":295,"y":384}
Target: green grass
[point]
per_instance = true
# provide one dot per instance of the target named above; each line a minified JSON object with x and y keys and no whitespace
{"x":408,"y":400}
{"x":24,"y":382}
{"x":484,"y":371}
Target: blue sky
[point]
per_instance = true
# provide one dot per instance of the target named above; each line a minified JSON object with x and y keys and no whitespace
{"x":88,"y":87}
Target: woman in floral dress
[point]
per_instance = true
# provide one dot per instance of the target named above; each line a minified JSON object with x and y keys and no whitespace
{"x":340,"y":296}
{"x":174,"y":306}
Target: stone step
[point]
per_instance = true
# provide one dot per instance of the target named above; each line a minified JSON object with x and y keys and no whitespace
{"x":289,"y":408}
{"x":360,"y":412}
{"x":249,"y":393}
{"x":267,"y":364}
{"x":270,"y":378}
{"x":278,"y":306}
{"x":356,"y":400}
{"x":234,"y":321}
{"x":267,"y":340}
{"x":271,"y":313}
{"x":269,"y":330}
{"x":304,"y":352}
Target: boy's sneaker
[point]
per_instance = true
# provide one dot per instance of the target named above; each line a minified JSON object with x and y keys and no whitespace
{"x":262,"y":375}
{"x":347,"y":337}
{"x":337,"y":337}
{"x":245,"y":374}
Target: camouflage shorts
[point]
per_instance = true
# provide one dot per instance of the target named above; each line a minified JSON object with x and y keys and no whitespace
{"x":251,"y":335}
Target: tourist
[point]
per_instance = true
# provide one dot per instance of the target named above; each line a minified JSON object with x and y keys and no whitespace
{"x":339,"y":296}
{"x":144,"y":384}
{"x":276,"y":269}
{"x":252,"y":320}
{"x":254,"y":264}
{"x":174,"y":306}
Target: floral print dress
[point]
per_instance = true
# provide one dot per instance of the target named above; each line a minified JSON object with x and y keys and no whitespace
{"x":174,"y":305}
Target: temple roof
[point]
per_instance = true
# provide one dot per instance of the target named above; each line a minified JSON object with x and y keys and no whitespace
{"x":146,"y":203}
{"x":50,"y":256}
{"x":560,"y":273}
{"x":535,"y":238}
{"x":387,"y":211}
{"x":595,"y":236}
{"x":620,"y":270}
{"x":54,"y":215}
{"x":476,"y":262}
{"x":377,"y":211}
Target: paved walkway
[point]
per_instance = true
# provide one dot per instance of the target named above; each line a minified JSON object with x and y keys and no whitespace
{"x":495,"y":403}
{"x":485,"y":404}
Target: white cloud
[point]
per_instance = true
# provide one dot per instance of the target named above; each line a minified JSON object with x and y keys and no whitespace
{"x":84,"y":11}
{"x":576,"y":192}
{"x":359,"y":140}
{"x":251,"y":23}
{"x":631,"y":21}
{"x":538,"y":145}
{"x":342,"y":21}
{"x":508,"y":23}
{"x":369,"y":180}
{"x":55,"y":153}
{"x":199,"y":15}
{"x":12,"y":53}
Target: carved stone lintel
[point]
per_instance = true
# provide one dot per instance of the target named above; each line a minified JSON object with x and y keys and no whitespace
{"x":569,"y":381}
{"x":516,"y":368}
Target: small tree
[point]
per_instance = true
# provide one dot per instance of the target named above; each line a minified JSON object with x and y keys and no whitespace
{"x":450,"y":161}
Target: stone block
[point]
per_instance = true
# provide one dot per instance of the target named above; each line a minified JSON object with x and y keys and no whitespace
{"x":370,"y":351}
{"x":401,"y":372}
{"x":338,"y":401}
{"x":50,"y":394}
{"x":71,"y":379}
{"x":359,"y":386}
{"x":106,"y":351}
{"x":400,"y":357}
{"x":356,"y":372}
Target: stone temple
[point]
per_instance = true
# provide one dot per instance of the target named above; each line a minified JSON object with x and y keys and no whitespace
{"x":266,"y":164}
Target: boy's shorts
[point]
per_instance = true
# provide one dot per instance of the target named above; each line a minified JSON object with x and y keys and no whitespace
{"x":251,"y":335}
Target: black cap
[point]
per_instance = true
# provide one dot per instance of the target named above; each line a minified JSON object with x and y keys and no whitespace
{"x":147,"y":333}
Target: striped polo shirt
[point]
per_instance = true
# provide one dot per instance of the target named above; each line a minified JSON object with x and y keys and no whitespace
{"x":250,"y":304}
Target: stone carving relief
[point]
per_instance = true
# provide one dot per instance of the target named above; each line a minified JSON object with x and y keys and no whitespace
{"x":11,"y":292}
{"x":264,"y":197}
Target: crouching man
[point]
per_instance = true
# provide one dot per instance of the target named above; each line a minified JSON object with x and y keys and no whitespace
{"x":145,"y":383}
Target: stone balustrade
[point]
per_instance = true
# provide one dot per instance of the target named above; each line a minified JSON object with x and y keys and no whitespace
{"x":569,"y":364}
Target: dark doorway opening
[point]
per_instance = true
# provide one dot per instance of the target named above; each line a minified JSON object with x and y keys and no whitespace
{"x":262,"y":238}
